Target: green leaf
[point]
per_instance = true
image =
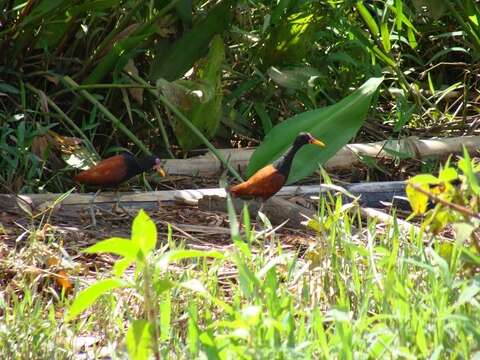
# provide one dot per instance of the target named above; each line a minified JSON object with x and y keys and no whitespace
{"x":200,"y":100}
{"x":117,"y":246}
{"x":194,"y":285}
{"x":421,"y":339}
{"x":447,"y":174}
{"x":385,"y":36}
{"x":463,"y":231}
{"x":139,"y":340}
{"x":411,"y":38}
{"x":121,"y":265}
{"x":424,"y":179}
{"x":193,"y":45}
{"x":166,"y":317}
{"x":118,"y":55}
{"x":264,"y":117}
{"x":466,"y":166}
{"x":369,"y":20}
{"x":335,"y":124}
{"x":7,"y":88}
{"x":291,"y":39}
{"x":467,"y":295}
{"x":298,"y":78}
{"x":162,"y":285}
{"x":87,"y":297}
{"x":418,"y":201}
{"x":144,"y":233}
{"x":177,"y":255}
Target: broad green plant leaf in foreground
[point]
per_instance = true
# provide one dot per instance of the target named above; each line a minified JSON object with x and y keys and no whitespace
{"x":336,"y":125}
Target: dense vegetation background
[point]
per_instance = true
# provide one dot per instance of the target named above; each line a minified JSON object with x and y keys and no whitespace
{"x":100,"y":74}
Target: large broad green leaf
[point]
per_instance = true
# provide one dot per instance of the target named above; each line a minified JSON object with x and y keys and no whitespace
{"x":335,"y":125}
{"x":199,"y":100}
{"x":193,"y":45}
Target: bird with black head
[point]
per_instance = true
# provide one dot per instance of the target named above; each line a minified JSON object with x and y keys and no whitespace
{"x":267,"y":181}
{"x":116,"y":170}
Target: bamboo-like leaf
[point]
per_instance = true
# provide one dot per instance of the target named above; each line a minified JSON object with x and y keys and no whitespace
{"x":368,"y":18}
{"x":387,"y":46}
{"x":335,"y":124}
{"x":193,"y":45}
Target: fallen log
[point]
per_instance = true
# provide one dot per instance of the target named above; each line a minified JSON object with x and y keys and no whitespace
{"x":372,"y":194}
{"x":348,"y":156}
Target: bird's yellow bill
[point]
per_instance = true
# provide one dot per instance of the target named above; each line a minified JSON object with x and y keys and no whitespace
{"x":317,"y":142}
{"x":160,"y":171}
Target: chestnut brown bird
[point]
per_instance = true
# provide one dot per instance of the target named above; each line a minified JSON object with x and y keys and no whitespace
{"x":118,"y":169}
{"x":270,"y":179}
{"x":115,"y":170}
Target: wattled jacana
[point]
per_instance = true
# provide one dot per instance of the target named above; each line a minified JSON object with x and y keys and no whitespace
{"x":115,"y":170}
{"x":267,"y":181}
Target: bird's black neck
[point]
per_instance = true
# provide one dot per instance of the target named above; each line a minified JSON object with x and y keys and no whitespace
{"x":137,"y":166}
{"x":284,"y":163}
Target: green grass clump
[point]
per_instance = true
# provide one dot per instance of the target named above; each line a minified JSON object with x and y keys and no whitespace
{"x":354,"y":292}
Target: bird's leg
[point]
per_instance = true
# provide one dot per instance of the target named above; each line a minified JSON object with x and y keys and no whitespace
{"x":118,"y":204}
{"x":258,"y":219}
{"x":92,"y":209}
{"x":262,"y":203}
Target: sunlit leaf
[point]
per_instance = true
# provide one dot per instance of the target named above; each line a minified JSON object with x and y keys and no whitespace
{"x":289,"y":41}
{"x":139,"y":340}
{"x":465,"y":164}
{"x":463,"y":231}
{"x":468,"y":294}
{"x":144,"y":232}
{"x":194,"y":285}
{"x":368,"y":18}
{"x":335,"y":125}
{"x":87,"y":297}
{"x":294,"y":78}
{"x":177,"y":255}
{"x":385,"y":36}
{"x":418,"y":201}
{"x":447,"y":174}
{"x":424,"y":179}
{"x":117,"y":246}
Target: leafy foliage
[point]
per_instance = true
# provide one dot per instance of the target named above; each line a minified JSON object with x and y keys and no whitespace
{"x":454,"y":193}
{"x":200,"y":99}
{"x":322,"y":123}
{"x":138,"y":251}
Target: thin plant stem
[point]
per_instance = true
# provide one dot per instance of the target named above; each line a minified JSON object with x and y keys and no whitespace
{"x":64,"y":117}
{"x":163,"y":131}
{"x":70,"y":82}
{"x":189,"y":124}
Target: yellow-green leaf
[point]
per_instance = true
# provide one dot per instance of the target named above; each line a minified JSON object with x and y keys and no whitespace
{"x":87,"y":297}
{"x":139,"y":340}
{"x":144,"y":233}
{"x":418,"y":201}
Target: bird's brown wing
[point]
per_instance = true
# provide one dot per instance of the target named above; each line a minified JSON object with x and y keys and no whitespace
{"x":263,"y":184}
{"x":111,"y":171}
